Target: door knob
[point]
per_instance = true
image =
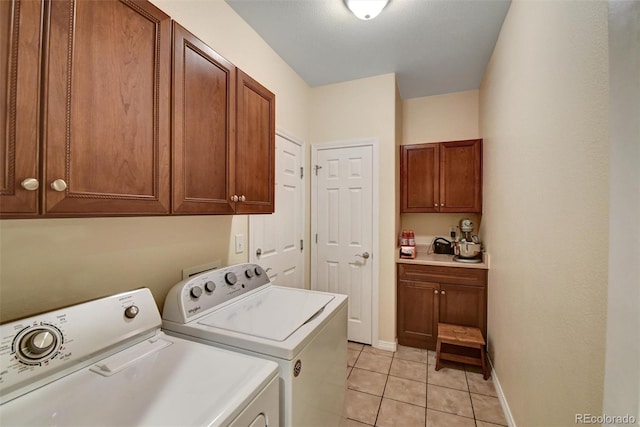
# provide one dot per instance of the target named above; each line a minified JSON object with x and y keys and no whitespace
{"x":258,"y":252}
{"x":30,"y":184}
{"x":59,"y":185}
{"x":364,"y":255}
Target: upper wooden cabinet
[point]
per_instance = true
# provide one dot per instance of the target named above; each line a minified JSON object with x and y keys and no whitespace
{"x":88,"y":119}
{"x":255,"y":147}
{"x":204,"y":85}
{"x":107,"y":118}
{"x":441,"y":177}
{"x":20,"y":53}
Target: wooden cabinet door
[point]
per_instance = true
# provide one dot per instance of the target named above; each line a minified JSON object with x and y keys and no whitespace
{"x":463,"y":305}
{"x":20,"y":53}
{"x":461,"y":176}
{"x":419,"y":178}
{"x":417,"y":313}
{"x":204,"y":85}
{"x":255,"y":147}
{"x":107,"y":111}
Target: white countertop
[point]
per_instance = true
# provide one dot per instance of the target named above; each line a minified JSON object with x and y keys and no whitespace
{"x":425,"y":258}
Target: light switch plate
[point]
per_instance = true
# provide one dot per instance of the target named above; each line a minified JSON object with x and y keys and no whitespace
{"x":239,"y":243}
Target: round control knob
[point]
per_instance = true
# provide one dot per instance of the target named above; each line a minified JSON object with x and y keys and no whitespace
{"x":210,"y":286}
{"x":131,"y":312}
{"x":259,"y":271}
{"x":40,"y":342}
{"x":248,"y":273}
{"x":196,"y":291}
{"x":230,"y":278}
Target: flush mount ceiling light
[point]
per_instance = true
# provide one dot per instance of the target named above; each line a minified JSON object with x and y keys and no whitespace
{"x":366,"y":9}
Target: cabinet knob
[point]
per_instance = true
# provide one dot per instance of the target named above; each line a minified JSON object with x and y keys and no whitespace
{"x":435,"y":205}
{"x":435,"y":291}
{"x":234,"y":198}
{"x":242,"y":198}
{"x":59,"y":185}
{"x":442,"y":292}
{"x":442,"y":205}
{"x":30,"y":184}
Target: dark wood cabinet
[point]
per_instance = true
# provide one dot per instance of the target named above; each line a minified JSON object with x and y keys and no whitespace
{"x":20,"y":64}
{"x":88,"y":122}
{"x":106,"y":109}
{"x":255,"y":147}
{"x":204,"y":120}
{"x":431,"y":294}
{"x":441,"y":177}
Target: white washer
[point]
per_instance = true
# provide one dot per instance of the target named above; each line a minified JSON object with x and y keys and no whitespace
{"x":305,"y":332}
{"x":106,"y":362}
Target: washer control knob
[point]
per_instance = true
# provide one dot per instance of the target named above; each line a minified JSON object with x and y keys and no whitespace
{"x":259,"y":271}
{"x":249,"y":273}
{"x":196,"y":291}
{"x":40,"y":342}
{"x":230,"y":278}
{"x":131,"y":311}
{"x":210,"y":286}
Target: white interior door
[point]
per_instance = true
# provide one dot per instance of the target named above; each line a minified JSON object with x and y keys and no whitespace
{"x":276,"y":240}
{"x":343,"y":221}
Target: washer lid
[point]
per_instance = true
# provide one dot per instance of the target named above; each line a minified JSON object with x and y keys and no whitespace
{"x":274,"y":313}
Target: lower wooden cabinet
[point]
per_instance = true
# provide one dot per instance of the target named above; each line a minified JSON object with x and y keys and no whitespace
{"x":431,"y":294}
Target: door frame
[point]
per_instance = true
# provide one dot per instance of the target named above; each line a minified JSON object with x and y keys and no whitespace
{"x":303,"y":146}
{"x":375,"y":219}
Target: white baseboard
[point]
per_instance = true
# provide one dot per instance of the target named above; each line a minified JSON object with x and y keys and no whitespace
{"x":502,"y":398}
{"x":386,"y":345}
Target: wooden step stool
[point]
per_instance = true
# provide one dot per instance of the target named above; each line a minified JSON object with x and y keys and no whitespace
{"x":463,"y":336}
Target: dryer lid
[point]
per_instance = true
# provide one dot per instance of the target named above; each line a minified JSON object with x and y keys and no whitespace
{"x":274,"y":313}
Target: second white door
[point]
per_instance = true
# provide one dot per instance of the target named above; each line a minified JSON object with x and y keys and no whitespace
{"x":343,"y":219}
{"x":276,"y":240}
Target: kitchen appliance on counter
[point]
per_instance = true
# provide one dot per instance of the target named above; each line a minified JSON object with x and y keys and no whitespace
{"x":468,"y":248}
{"x":106,"y":362}
{"x":305,"y":332}
{"x":443,"y":246}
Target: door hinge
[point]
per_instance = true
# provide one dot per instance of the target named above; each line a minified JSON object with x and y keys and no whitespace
{"x":316,"y":238}
{"x":301,"y":245}
{"x":301,"y":172}
{"x":316,"y":167}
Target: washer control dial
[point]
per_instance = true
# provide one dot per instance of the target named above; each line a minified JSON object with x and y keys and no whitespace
{"x":259,"y":271}
{"x":210,"y":286}
{"x":196,"y":291}
{"x":131,"y":312}
{"x":230,"y":278}
{"x":36,"y":344}
{"x":249,"y":273}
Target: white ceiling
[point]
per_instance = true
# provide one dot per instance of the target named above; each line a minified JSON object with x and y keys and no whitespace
{"x":433,"y":46}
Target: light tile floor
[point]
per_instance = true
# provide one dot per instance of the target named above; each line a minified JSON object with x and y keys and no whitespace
{"x":403,"y":389}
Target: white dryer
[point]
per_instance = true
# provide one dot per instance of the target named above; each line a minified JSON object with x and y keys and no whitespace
{"x":305,"y":332}
{"x":106,"y":362}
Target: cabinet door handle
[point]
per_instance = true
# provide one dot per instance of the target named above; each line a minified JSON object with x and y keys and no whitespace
{"x":30,"y":184}
{"x":441,"y":292}
{"x":435,"y":205}
{"x":435,"y":291}
{"x":242,"y":198}
{"x":234,"y":198}
{"x":59,"y":185}
{"x":442,"y":205}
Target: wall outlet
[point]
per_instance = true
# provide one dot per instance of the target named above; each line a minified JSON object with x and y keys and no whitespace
{"x":239,"y":243}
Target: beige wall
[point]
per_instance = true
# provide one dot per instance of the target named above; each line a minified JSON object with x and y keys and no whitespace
{"x":448,"y":117}
{"x":45,"y":264}
{"x":622,"y":372}
{"x":356,"y":110}
{"x":544,"y":119}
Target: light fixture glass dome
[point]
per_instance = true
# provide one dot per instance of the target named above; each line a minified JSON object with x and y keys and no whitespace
{"x":366,"y":9}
